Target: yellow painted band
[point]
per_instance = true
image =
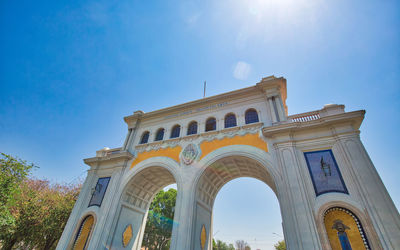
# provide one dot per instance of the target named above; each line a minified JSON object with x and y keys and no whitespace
{"x":172,"y":153}
{"x":206,"y":147}
{"x":248,"y":139}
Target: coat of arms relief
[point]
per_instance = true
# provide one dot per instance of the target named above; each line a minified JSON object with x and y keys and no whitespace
{"x":189,"y":154}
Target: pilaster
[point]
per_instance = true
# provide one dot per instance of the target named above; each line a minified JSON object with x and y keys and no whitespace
{"x":298,"y":220}
{"x":184,"y":217}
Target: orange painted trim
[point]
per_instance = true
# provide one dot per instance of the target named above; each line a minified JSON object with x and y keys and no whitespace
{"x":248,"y":139}
{"x":172,"y":153}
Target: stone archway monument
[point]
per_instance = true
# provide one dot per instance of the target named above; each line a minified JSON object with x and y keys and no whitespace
{"x":329,"y":192}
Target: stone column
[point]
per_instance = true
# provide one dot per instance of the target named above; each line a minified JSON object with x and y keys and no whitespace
{"x":276,"y":107}
{"x":281,"y":109}
{"x":133,"y":122}
{"x":272,"y":110}
{"x":184,"y":216}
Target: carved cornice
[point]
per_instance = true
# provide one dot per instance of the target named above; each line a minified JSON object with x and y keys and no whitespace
{"x":116,"y":157}
{"x":265,"y":85}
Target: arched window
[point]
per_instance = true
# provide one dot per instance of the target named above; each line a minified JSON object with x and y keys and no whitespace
{"x":145,"y":137}
{"x":159,"y":135}
{"x":82,"y":236}
{"x":176,"y":130}
{"x":192,"y":128}
{"x":211,"y":124}
{"x":230,"y":120}
{"x":251,"y":116}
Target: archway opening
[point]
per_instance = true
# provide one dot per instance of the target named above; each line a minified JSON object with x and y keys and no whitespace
{"x":246,"y":209}
{"x":222,"y":182}
{"x":136,"y":209}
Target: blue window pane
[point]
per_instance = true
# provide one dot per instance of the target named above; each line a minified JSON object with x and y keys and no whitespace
{"x":175,"y":131}
{"x":251,"y":116}
{"x":160,"y":134}
{"x":230,"y":121}
{"x":192,"y":129}
{"x":211,"y":124}
{"x":145,"y":137}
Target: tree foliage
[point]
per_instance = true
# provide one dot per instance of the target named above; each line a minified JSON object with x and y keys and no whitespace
{"x":160,"y":221}
{"x":281,"y":245}
{"x":38,"y":209}
{"x":12,"y":172}
{"x":242,"y":245}
{"x":220,"y":245}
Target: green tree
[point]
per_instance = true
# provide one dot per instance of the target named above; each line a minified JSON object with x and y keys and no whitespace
{"x":12,"y":172}
{"x":220,"y":245}
{"x":160,"y":221}
{"x":281,"y":245}
{"x":41,"y":211}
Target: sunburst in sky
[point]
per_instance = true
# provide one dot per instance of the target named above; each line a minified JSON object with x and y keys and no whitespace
{"x":70,"y":70}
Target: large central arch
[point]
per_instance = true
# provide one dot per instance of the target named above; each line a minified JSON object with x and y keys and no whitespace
{"x":222,"y":166}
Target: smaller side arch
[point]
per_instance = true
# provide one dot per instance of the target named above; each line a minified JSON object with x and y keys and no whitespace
{"x":83,"y":231}
{"x":367,"y":230}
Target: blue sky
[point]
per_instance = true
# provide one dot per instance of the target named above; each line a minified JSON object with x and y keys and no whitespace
{"x":70,"y":70}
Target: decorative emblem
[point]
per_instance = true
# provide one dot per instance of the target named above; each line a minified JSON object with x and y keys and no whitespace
{"x":203,"y":237}
{"x":127,"y":235}
{"x":189,"y":154}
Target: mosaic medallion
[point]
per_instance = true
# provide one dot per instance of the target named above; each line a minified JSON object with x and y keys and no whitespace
{"x":203,"y":237}
{"x":189,"y":154}
{"x":127,"y":235}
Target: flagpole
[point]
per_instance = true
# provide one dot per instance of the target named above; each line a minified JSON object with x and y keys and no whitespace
{"x":205,"y":84}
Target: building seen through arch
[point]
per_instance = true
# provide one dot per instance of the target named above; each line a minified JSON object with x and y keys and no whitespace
{"x":329,"y":193}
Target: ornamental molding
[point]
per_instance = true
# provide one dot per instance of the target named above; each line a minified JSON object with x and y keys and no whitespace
{"x":114,"y":157}
{"x":199,"y":138}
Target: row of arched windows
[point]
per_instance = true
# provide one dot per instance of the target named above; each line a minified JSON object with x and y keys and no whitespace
{"x":251,"y":116}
